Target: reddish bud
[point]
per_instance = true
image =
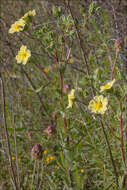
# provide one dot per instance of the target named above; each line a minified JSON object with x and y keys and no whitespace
{"x":55,"y":116}
{"x":50,"y":130}
{"x":36,"y":152}
{"x":30,"y":135}
{"x":67,"y":88}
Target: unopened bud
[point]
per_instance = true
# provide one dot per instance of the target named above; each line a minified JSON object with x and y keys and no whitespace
{"x":30,"y":135}
{"x":118,"y":43}
{"x":55,"y":116}
{"x":50,"y":130}
{"x":67,"y":88}
{"x":36,"y":152}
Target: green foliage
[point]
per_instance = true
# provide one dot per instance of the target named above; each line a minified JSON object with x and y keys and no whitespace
{"x":74,"y":46}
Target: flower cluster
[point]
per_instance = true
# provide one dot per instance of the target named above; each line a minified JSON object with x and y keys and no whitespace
{"x":99,"y":103}
{"x":20,"y":24}
{"x":29,"y":14}
{"x":24,"y":54}
{"x":47,"y":69}
{"x":50,"y":158}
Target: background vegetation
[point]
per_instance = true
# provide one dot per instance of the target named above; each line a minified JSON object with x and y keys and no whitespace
{"x":72,"y":47}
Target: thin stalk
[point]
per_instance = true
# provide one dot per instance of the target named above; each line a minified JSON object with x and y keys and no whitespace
{"x":34,"y":170}
{"x":122,"y":138}
{"x":84,"y":56}
{"x":17,"y":165}
{"x":113,"y":68}
{"x":124,"y":179}
{"x":6,"y":133}
{"x":60,"y":74}
{"x":70,"y":178}
{"x":37,"y":178}
{"x":110,"y":153}
{"x":33,"y":86}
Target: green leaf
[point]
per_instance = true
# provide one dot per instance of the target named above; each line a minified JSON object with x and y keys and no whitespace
{"x":39,"y":89}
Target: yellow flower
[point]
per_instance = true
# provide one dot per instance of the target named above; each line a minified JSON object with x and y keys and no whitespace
{"x":13,"y":158}
{"x":46,"y":69}
{"x":45,"y":152}
{"x":48,"y":159}
{"x":52,"y":157}
{"x":82,"y":170}
{"x":17,"y":26}
{"x":23,"y":55}
{"x":107,"y":86}
{"x":30,"y":14}
{"x":71,"y":97}
{"x":98,"y":104}
{"x":55,"y":66}
{"x":19,"y":159}
{"x":71,"y":61}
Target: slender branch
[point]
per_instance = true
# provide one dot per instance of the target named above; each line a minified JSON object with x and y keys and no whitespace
{"x":113,"y":67}
{"x":70,"y":177}
{"x":6,"y":133}
{"x":79,"y":39}
{"x":33,"y":176}
{"x":17,"y":165}
{"x":81,"y":45}
{"x":122,"y":139}
{"x":124,"y":179}
{"x":110,"y":153}
{"x":33,"y":86}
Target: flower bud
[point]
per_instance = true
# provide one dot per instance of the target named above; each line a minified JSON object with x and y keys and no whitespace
{"x":67,"y":88}
{"x":30,"y":135}
{"x":36,"y":152}
{"x":55,"y":116}
{"x":50,"y":130}
{"x":118,"y":43}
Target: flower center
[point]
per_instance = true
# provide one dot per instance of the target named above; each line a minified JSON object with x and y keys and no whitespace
{"x":17,"y":27}
{"x":24,"y":55}
{"x":98,"y":105}
{"x":107,"y":86}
